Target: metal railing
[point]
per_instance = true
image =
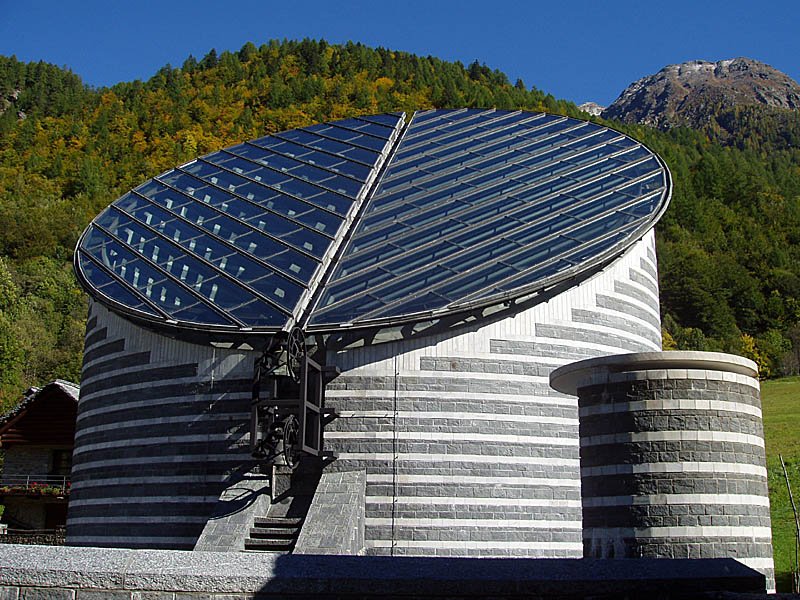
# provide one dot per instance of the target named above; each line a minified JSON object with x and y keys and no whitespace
{"x":53,"y":484}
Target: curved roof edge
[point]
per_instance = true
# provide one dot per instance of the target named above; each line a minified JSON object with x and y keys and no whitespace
{"x":147,"y":313}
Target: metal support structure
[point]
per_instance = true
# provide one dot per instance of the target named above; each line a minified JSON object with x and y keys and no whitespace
{"x":286,"y":418}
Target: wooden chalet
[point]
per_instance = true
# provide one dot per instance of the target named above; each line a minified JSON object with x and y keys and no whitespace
{"x":37,"y":439}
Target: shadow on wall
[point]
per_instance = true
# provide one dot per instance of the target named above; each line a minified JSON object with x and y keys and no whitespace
{"x":238,"y":498}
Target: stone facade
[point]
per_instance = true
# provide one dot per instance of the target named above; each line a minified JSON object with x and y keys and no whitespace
{"x":466,"y":448}
{"x":672,"y":457}
{"x":162,"y":426}
{"x":25,"y":461}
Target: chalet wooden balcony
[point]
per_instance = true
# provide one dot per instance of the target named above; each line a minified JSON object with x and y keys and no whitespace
{"x":56,"y":486}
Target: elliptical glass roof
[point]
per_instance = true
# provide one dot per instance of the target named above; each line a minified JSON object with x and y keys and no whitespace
{"x":373,"y":220}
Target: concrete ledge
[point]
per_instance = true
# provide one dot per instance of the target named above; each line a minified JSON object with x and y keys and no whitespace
{"x":568,"y":378}
{"x":82,"y":572}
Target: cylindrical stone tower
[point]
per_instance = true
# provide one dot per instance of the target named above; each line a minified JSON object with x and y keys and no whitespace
{"x":672,"y":457}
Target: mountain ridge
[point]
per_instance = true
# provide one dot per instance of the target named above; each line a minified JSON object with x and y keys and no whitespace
{"x":693,"y":93}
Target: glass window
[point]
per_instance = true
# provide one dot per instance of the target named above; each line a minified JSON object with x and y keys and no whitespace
{"x":374,"y":129}
{"x":547,"y":270}
{"x":427,"y":256}
{"x":413,"y":283}
{"x":349,"y":311}
{"x":307,"y":137}
{"x":601,"y":226}
{"x":648,"y":166}
{"x":354,"y":285}
{"x":489,"y":208}
{"x":187,"y":309}
{"x":348,"y":136}
{"x":645,"y":186}
{"x":478,"y":280}
{"x":353,"y":264}
{"x":424,"y":302}
{"x":479,"y":235}
{"x":110,"y":287}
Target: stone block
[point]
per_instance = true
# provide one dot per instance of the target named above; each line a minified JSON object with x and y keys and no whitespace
{"x":46,"y":593}
{"x":102,"y":595}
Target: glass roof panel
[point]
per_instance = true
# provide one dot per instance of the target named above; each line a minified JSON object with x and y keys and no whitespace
{"x":389,"y":119}
{"x":236,"y":238}
{"x":311,"y":156}
{"x":477,"y":204}
{"x":362,"y":125}
{"x":350,"y":136}
{"x":135,"y":273}
{"x":460,"y":208}
{"x":325,"y":178}
{"x":258,"y":314}
{"x":333,"y":146}
{"x":110,"y":287}
{"x":219,"y":226}
{"x":201,"y":262}
{"x":250,"y":211}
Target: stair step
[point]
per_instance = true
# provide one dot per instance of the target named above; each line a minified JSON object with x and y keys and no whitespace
{"x":277,"y":532}
{"x":278,"y":521}
{"x":251,"y":544}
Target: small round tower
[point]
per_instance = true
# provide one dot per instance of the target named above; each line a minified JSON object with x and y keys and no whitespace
{"x":672,"y":457}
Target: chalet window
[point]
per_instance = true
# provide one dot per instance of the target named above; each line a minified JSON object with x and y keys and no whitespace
{"x":62,"y":462}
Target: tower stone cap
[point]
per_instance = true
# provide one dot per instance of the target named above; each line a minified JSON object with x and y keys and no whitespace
{"x":569,"y":378}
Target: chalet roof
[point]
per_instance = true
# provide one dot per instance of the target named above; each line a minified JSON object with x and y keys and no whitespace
{"x":31,"y":395}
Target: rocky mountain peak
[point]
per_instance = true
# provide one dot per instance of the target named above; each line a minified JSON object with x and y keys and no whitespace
{"x":691,"y":93}
{"x":593,"y":108}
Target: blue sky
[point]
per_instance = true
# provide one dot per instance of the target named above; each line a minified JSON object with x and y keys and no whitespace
{"x":577,"y":50}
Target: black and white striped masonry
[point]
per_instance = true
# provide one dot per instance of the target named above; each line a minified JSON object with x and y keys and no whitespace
{"x":672,"y":457}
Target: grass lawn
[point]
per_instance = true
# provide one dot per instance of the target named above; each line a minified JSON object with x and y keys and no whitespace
{"x":780,"y":400}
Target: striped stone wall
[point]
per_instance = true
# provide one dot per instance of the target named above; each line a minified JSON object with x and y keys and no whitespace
{"x":161,"y":425}
{"x":672,"y":458}
{"x":467,"y":449}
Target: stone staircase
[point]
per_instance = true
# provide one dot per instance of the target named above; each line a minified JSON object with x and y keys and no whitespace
{"x":260,"y":513}
{"x":273,"y":534}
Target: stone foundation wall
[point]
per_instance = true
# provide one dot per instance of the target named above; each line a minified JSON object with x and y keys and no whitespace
{"x":67,"y":573}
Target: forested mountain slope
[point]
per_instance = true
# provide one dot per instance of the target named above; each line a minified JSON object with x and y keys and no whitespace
{"x":729,"y":254}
